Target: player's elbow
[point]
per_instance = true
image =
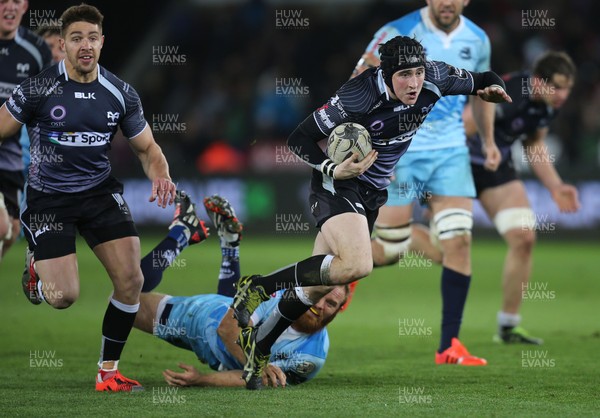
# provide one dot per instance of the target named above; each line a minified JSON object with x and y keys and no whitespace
{"x":295,"y":139}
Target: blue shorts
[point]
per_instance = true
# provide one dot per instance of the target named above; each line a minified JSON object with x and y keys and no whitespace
{"x":422,"y":174}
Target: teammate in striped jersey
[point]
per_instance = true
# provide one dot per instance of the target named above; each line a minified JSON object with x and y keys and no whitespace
{"x":75,"y":108}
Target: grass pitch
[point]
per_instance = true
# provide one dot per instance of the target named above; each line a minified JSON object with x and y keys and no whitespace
{"x":380,"y":359}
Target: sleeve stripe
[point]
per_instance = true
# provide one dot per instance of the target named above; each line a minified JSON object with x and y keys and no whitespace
{"x":472,"y":82}
{"x":317,"y":122}
{"x":138,"y":134}
{"x":11,"y":114}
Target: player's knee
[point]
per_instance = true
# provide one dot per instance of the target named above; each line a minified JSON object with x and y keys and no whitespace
{"x":131,"y":281}
{"x":523,"y":241}
{"x":361,"y":267}
{"x":453,"y":228}
{"x":527,"y":240}
{"x":394,"y":240}
{"x":61,"y":299}
{"x":517,"y":225}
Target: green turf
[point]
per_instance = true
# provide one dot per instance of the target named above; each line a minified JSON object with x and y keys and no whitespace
{"x":372,"y":370}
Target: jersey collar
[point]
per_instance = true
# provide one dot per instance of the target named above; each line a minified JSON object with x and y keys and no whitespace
{"x":62,"y":70}
{"x":446,"y":38}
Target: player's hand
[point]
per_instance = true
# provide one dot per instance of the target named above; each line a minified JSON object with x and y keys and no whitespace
{"x":494,"y":94}
{"x":349,"y":168}
{"x":493,"y":157}
{"x":566,"y":198}
{"x":163,"y":189}
{"x":190,"y":377}
{"x":273,"y":376}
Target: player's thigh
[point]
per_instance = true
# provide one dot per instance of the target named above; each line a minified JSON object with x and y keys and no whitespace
{"x":51,"y":234}
{"x":505,"y":196}
{"x":439,"y":203}
{"x":348,"y":236}
{"x":394,"y":215}
{"x":121,"y":259}
{"x":320,"y":246}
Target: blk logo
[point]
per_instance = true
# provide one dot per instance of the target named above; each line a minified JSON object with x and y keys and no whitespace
{"x":80,"y":95}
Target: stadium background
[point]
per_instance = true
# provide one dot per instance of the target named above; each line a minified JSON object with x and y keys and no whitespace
{"x":224,"y":82}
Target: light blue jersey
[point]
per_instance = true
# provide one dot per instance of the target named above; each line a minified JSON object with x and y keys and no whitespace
{"x":193,"y":322}
{"x":466,"y":47}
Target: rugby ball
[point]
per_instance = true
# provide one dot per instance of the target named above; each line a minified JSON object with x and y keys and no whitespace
{"x":347,"y":139}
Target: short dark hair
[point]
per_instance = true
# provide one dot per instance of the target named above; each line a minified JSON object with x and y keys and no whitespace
{"x":554,"y":62}
{"x":44,"y":31}
{"x":82,"y":13}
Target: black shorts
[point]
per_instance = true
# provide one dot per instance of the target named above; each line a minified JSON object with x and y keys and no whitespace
{"x":11,"y":186}
{"x":344,"y":196}
{"x":485,"y":179}
{"x":50,"y":220}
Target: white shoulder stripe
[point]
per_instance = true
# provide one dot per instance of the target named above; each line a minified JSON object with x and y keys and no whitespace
{"x":63,"y":70}
{"x":29,"y":47}
{"x":112,"y":88}
{"x":432,"y":87}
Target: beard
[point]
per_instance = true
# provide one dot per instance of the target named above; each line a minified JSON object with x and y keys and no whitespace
{"x":310,"y":323}
{"x":444,"y":22}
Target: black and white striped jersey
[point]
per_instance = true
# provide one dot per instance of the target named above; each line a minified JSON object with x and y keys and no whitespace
{"x":391,"y":123}
{"x":72,"y":125}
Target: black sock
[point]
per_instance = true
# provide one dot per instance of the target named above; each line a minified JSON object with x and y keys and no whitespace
{"x":303,"y":273}
{"x":161,"y":257}
{"x":230,"y":271}
{"x":455,"y":287}
{"x":118,"y":321}
{"x":289,"y":308}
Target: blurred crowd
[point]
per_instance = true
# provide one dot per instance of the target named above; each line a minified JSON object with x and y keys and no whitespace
{"x":238,"y":78}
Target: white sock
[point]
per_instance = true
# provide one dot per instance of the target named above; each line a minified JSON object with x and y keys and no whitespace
{"x":508,"y":320}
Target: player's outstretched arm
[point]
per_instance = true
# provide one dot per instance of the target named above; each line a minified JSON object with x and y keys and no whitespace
{"x":8,"y":124}
{"x":564,"y":195}
{"x":273,"y":376}
{"x":155,"y":166}
{"x":490,"y":87}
